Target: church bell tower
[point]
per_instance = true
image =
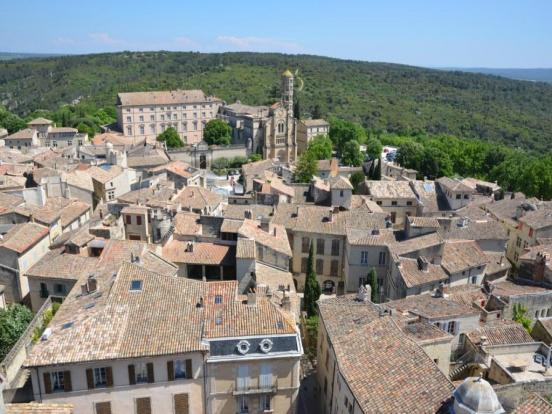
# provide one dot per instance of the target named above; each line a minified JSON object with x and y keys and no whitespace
{"x":287,"y":91}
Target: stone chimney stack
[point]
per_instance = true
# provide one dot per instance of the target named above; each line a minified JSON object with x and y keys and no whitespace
{"x":251,"y":297}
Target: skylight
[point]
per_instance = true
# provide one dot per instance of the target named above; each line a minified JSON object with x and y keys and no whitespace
{"x":218,"y":299}
{"x":135,"y":285}
{"x":67,"y":325}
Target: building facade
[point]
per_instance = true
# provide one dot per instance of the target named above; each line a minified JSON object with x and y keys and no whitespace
{"x":145,"y":115}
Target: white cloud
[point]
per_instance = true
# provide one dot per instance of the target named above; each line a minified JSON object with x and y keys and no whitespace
{"x":104,"y":39}
{"x":184,"y":42}
{"x":260,"y":44}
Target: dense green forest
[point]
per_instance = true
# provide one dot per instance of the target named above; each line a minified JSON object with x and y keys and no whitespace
{"x":383,"y":98}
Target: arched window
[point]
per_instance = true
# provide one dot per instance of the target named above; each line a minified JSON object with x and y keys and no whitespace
{"x":280,"y":128}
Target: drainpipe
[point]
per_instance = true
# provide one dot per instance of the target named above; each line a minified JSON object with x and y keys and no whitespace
{"x":205,"y":397}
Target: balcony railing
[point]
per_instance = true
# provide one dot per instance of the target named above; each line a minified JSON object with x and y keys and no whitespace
{"x":260,"y":387}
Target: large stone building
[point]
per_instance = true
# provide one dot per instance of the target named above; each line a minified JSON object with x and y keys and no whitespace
{"x":270,"y":131}
{"x":144,"y":115}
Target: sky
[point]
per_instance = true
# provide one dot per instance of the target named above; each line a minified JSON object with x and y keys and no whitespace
{"x":431,"y":33}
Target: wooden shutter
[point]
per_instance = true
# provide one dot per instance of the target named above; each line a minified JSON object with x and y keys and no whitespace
{"x":103,"y":407}
{"x":47,"y":383}
{"x":143,"y":405}
{"x":131,"y":375}
{"x":181,"y":404}
{"x":109,"y":376}
{"x":151,"y":377}
{"x":90,"y":378}
{"x":67,"y":385}
{"x":189,"y":373}
{"x":170,"y":370}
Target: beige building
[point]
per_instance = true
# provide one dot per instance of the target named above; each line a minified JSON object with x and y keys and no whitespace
{"x":362,"y":351}
{"x":110,"y":348}
{"x":307,"y":129}
{"x":144,"y":115}
{"x":394,"y":197}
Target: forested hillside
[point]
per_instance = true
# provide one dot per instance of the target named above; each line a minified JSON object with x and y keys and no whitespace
{"x":382,"y":97}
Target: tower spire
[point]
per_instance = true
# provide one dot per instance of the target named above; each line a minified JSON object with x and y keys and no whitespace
{"x":287,"y":91}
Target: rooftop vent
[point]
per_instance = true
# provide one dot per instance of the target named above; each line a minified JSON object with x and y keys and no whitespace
{"x":200,"y":303}
{"x":46,"y":334}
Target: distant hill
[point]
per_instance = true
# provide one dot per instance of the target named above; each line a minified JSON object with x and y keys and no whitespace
{"x":535,"y":75}
{"x":9,"y":56}
{"x":381,"y":96}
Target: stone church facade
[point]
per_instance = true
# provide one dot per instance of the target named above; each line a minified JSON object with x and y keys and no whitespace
{"x":270,"y":131}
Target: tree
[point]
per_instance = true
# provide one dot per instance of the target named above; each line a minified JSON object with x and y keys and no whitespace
{"x":306,"y":168}
{"x":255,"y":157}
{"x":342,"y":132}
{"x":312,"y":288}
{"x":520,"y":316}
{"x":316,"y":112}
{"x":217,"y":132}
{"x":375,"y":170}
{"x":13,"y":321}
{"x":320,"y":148}
{"x":170,"y":137}
{"x":373,"y":276}
{"x":351,"y":154}
{"x":297,"y":109}
{"x":356,"y":179}
{"x":374,"y":148}
{"x":410,"y":154}
{"x":436,"y":163}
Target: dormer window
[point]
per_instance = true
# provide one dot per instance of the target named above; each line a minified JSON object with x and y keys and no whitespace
{"x":266,"y":345}
{"x":136,"y":286}
{"x":243,"y":347}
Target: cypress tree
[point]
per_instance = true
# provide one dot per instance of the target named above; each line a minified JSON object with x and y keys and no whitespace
{"x":374,"y":285}
{"x":312,"y":288}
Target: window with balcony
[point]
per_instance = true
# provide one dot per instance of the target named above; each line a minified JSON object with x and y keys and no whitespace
{"x":243,"y":405}
{"x":142,"y":130}
{"x":242,"y":381}
{"x":129,"y":119}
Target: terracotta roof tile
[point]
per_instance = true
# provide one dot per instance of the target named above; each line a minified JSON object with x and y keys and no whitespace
{"x":535,"y":404}
{"x":22,"y":237}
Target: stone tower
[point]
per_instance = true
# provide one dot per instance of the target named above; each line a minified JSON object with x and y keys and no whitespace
{"x":287,"y":91}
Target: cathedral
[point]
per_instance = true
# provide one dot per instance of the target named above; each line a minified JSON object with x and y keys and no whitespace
{"x":267,"y":130}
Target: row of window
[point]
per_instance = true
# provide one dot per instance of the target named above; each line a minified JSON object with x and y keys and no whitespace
{"x":175,"y":108}
{"x":59,"y":290}
{"x":320,"y":246}
{"x":382,"y":257}
{"x":394,"y":203}
{"x":319,"y":263}
{"x":168,"y":117}
{"x":128,"y":219}
{"x":153,"y":127}
{"x":102,"y":377}
{"x":142,"y":405}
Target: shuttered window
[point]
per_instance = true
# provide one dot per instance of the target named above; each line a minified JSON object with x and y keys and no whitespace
{"x":181,"y":404}
{"x":143,"y":405}
{"x":103,"y":407}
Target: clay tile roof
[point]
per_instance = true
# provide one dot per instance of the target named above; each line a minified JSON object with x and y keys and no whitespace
{"x":275,"y":239}
{"x":40,"y":121}
{"x":535,"y":404}
{"x":197,"y":198}
{"x":507,"y":288}
{"x":231,"y":226}
{"x":423,"y":332}
{"x":57,"y":265}
{"x":412,"y":275}
{"x":26,"y":133}
{"x":390,"y":189}
{"x":538,"y":219}
{"x":145,"y":156}
{"x":453,"y":184}
{"x":317,"y":219}
{"x":106,"y":174}
{"x":245,"y":248}
{"x":388,"y":372}
{"x":501,"y":332}
{"x":475,"y":230}
{"x":39,"y":408}
{"x":415,"y":221}
{"x":340,"y":183}
{"x":134,"y":209}
{"x":315,"y":122}
{"x":460,"y":255}
{"x":417,"y":243}
{"x":431,"y":307}
{"x":22,"y":237}
{"x":186,"y":223}
{"x":176,"y":97}
{"x":202,"y":253}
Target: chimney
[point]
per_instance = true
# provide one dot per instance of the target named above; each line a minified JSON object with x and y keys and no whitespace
{"x":440,"y":291}
{"x":286,"y":303}
{"x":463,"y":222}
{"x":200,"y":303}
{"x":251,"y":297}
{"x":541,"y":260}
{"x":331,"y":216}
{"x":190,"y":247}
{"x":375,"y":232}
{"x":423,"y":264}
{"x":248,"y":214}
{"x":483,"y":341}
{"x":92,"y":284}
